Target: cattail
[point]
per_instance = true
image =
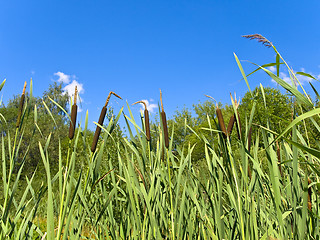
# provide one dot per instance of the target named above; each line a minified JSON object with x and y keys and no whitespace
{"x":101,"y":118}
{"x":279,"y":156}
{"x":164,"y":123}
{"x":146,"y":119}
{"x":230,"y":125}
{"x":221,"y":122}
{"x":234,"y":119}
{"x":309,"y":195}
{"x":74,"y":110}
{"x":21,"y":105}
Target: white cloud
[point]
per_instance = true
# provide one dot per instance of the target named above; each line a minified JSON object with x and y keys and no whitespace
{"x":64,"y":78}
{"x":71,"y":82}
{"x":150,"y":106}
{"x":302,"y":79}
{"x":272,"y":69}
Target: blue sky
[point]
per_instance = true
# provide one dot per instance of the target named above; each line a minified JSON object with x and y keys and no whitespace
{"x":135,"y":48}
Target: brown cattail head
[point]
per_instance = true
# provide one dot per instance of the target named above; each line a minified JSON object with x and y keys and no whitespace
{"x":98,"y":129}
{"x":221,"y":122}
{"x":309,"y":195}
{"x":74,"y":111}
{"x":21,"y":105}
{"x":259,"y":38}
{"x":147,"y":124}
{"x":146,"y":119}
{"x":164,"y":123}
{"x":101,"y":118}
{"x":238,"y":124}
{"x":230,"y":125}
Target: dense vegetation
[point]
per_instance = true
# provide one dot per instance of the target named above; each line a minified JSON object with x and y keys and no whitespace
{"x":259,"y":180}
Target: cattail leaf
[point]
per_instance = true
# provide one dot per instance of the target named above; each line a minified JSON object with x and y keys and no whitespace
{"x":263,"y":95}
{"x":2,"y":84}
{"x":278,"y":64}
{"x":58,"y":105}
{"x":315,"y":91}
{"x":242,"y":72}
{"x":48,"y":110}
{"x":306,"y":75}
{"x":300,"y":97}
{"x":297,"y":120}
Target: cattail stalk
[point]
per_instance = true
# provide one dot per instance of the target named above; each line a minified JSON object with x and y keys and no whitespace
{"x":74,"y":110}
{"x":22,"y":99}
{"x":101,"y":118}
{"x":164,"y":123}
{"x":146,"y":119}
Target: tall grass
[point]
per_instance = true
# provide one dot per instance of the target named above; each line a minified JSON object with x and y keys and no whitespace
{"x":155,"y":193}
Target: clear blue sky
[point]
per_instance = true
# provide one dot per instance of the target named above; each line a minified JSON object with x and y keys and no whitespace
{"x":134,"y":48}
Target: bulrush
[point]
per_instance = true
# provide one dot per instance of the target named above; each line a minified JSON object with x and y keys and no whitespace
{"x":164,"y":123}
{"x":74,"y":110}
{"x":309,"y":195}
{"x":220,"y":118}
{"x":146,"y":119}
{"x":21,"y":105}
{"x":101,"y":118}
{"x":234,"y":119}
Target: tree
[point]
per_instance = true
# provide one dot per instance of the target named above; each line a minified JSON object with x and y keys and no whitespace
{"x":275,"y":112}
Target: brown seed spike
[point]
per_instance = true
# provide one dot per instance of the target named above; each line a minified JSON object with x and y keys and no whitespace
{"x":146,"y":119}
{"x":101,"y":118}
{"x":309,"y":195}
{"x":221,"y":122}
{"x":74,"y":111}
{"x":164,"y":123}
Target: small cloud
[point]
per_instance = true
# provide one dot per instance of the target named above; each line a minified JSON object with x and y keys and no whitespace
{"x":302,"y":79}
{"x":33,"y":72}
{"x":64,"y":78}
{"x":272,"y":69}
{"x":71,"y":82}
{"x":150,"y":106}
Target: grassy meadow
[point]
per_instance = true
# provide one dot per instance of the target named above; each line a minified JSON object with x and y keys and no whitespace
{"x":255,"y":180}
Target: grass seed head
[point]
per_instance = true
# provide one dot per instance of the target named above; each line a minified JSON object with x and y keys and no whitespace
{"x":260,"y":39}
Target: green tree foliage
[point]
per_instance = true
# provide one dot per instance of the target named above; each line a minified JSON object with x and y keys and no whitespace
{"x":272,"y":108}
